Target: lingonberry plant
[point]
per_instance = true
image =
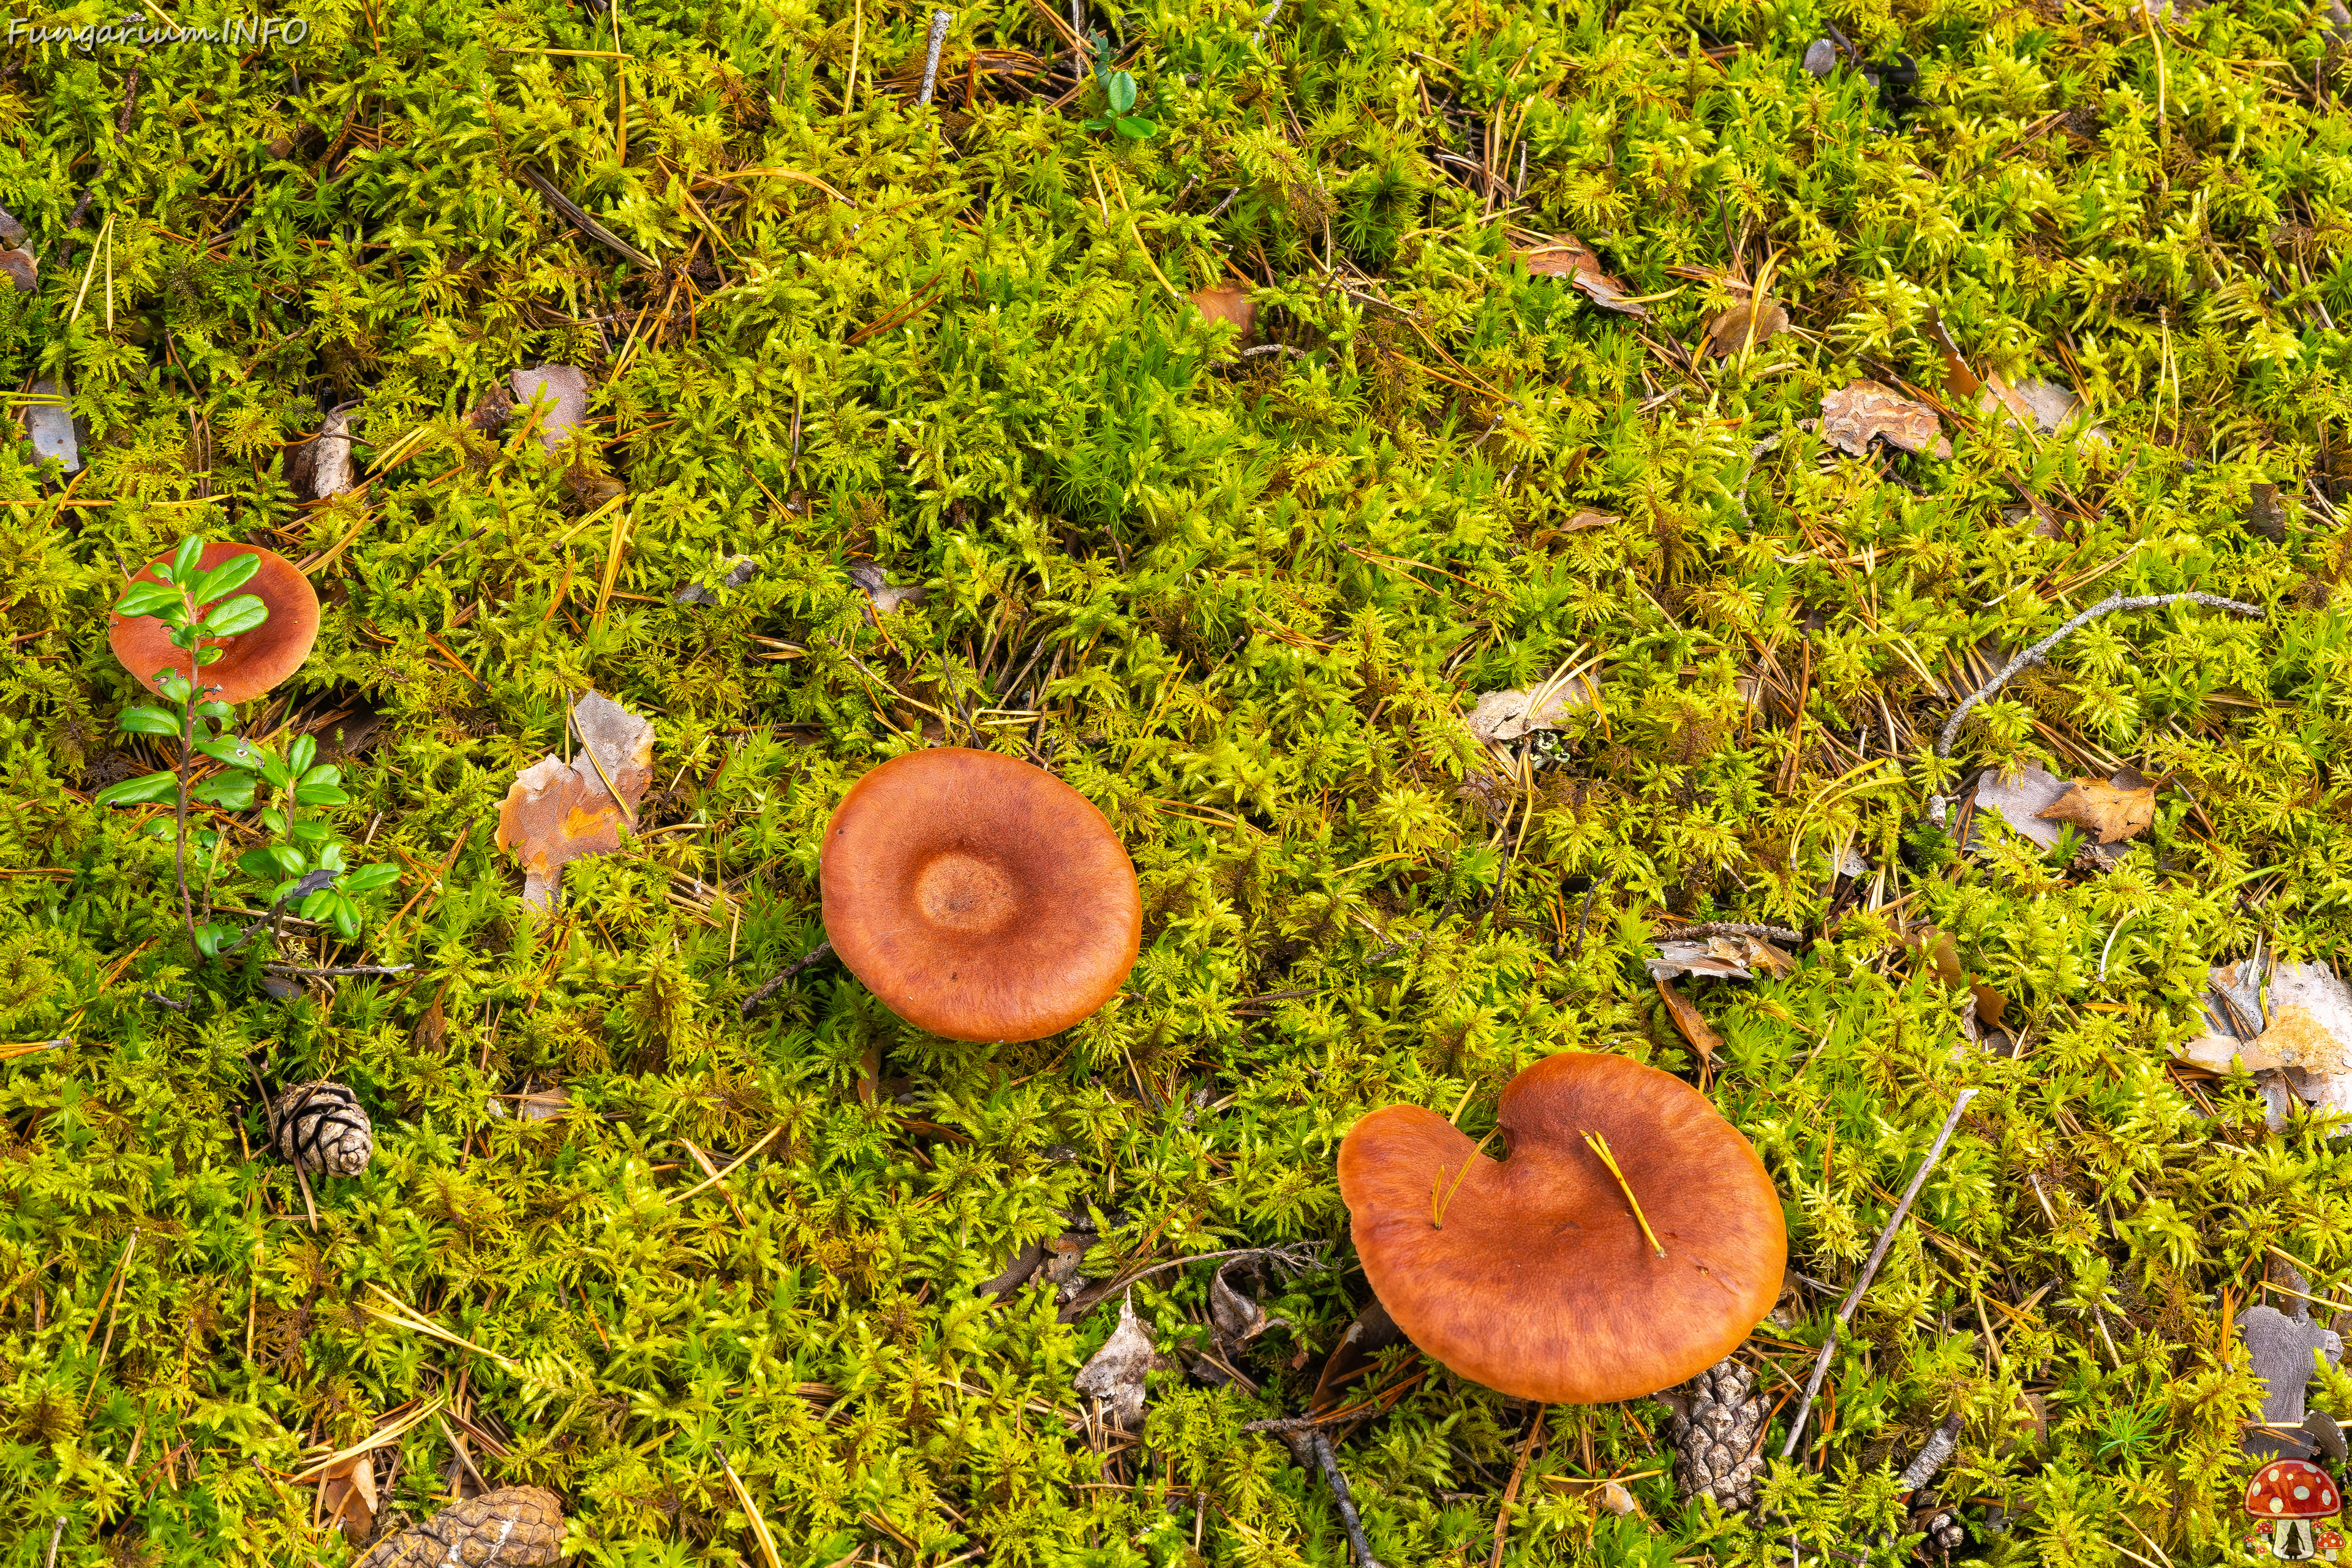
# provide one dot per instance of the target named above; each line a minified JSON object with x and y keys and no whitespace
{"x":301,"y":863}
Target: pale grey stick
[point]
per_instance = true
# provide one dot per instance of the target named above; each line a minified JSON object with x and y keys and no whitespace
{"x":1266,"y":21}
{"x":1870,"y":1271}
{"x":2040,"y":654}
{"x":939,"y":20}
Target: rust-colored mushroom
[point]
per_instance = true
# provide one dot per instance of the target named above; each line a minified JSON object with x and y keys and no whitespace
{"x":1630,"y":1239}
{"x":980,"y":898}
{"x":250,"y":662}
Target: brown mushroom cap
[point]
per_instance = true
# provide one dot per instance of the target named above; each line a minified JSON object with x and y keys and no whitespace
{"x":980,"y":898}
{"x":1539,"y":1282}
{"x":252,"y":662}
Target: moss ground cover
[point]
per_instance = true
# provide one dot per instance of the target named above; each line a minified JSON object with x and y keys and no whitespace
{"x":1243,"y":605}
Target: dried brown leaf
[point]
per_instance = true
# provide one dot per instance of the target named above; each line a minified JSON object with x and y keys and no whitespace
{"x":1114,"y":1374}
{"x":2109,"y":810}
{"x":559,"y":812}
{"x":23,"y":271}
{"x":1565,"y":256}
{"x":1744,"y":325}
{"x":1688,"y":1021}
{"x":1504,"y":716}
{"x":1857,"y":415}
{"x":1719,"y":957}
{"x":1233,"y":305}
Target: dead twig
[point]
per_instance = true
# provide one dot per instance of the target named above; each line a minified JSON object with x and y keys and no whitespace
{"x":1938,"y":805}
{"x":939,"y":20}
{"x":814,"y":955}
{"x":578,"y":219}
{"x":1731,"y":928}
{"x":1314,"y":1452}
{"x":339,"y":970}
{"x":1296,"y":1257}
{"x":1870,"y":1272}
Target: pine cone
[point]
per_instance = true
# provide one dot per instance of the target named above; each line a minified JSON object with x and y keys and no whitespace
{"x":1715,"y":1440}
{"x":319,"y":1127}
{"x":513,"y":1526}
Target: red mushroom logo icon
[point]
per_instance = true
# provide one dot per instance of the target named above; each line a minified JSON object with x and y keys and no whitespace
{"x":2295,"y":1504}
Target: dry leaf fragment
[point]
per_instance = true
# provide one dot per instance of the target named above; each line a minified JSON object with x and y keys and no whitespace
{"x":49,"y":420}
{"x":2019,"y":799}
{"x":22,"y":270}
{"x":1565,"y":256}
{"x":2265,"y":515}
{"x":347,"y":1497}
{"x":565,"y":388}
{"x":559,"y":812}
{"x":2310,"y":1033}
{"x":1688,"y":1021}
{"x":1506,"y":716}
{"x":1721,"y":957}
{"x":321,"y":466}
{"x":882,"y":597}
{"x":11,"y":231}
{"x":1233,"y":305}
{"x":1114,"y":1374}
{"x":1857,"y":415}
{"x":2110,"y":810}
{"x":1614,"y":1498}
{"x":1744,"y":325}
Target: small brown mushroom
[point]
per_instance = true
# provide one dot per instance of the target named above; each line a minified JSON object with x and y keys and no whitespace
{"x":250,"y":662}
{"x":980,"y":898}
{"x":1630,"y":1240}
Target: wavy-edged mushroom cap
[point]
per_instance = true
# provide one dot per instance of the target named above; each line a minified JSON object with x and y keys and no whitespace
{"x":980,"y":898}
{"x":1539,"y":1282}
{"x":250,"y":662}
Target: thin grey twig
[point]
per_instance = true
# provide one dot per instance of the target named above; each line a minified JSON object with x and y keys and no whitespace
{"x":54,"y":1536}
{"x":1319,"y":1444}
{"x":1296,"y":1256}
{"x":1219,"y":210}
{"x":339,"y":971}
{"x":939,"y":20}
{"x":1262,"y":23}
{"x":1730,"y":928}
{"x":814,"y":955}
{"x":1934,"y":1454}
{"x":2040,"y":654}
{"x":570,"y":213}
{"x":1870,"y":1272}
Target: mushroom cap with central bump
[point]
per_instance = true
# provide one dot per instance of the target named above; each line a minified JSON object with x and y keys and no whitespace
{"x":1539,"y":1282}
{"x":250,"y":662}
{"x":980,"y":898}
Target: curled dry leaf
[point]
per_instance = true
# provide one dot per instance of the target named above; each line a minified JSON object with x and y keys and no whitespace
{"x":1114,"y":1374}
{"x":11,"y":231}
{"x":1506,"y":716}
{"x":1862,"y":411}
{"x":1718,"y":957}
{"x":560,"y":811}
{"x":2310,"y":1033}
{"x":1565,"y":256}
{"x":2109,"y":810}
{"x":883,"y":598}
{"x":564,"y":388}
{"x":1690,"y":1022}
{"x":321,"y":466}
{"x":1357,"y":1353}
{"x":23,"y":271}
{"x":1233,"y":305}
{"x":1745,"y":324}
{"x":347,"y":1497}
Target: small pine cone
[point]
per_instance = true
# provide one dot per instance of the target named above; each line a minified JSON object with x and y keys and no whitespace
{"x":319,"y":1127}
{"x":1716,"y":1442}
{"x":513,"y":1526}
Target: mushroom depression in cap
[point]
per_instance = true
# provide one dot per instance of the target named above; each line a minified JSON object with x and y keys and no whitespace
{"x":980,"y":898}
{"x":250,"y":662}
{"x":1531,"y":1274}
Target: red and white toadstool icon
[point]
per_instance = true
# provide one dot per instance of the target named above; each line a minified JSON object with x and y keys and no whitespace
{"x":2295,"y":1504}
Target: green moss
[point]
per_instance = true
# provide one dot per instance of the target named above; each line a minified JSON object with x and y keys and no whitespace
{"x":1243,"y":608}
